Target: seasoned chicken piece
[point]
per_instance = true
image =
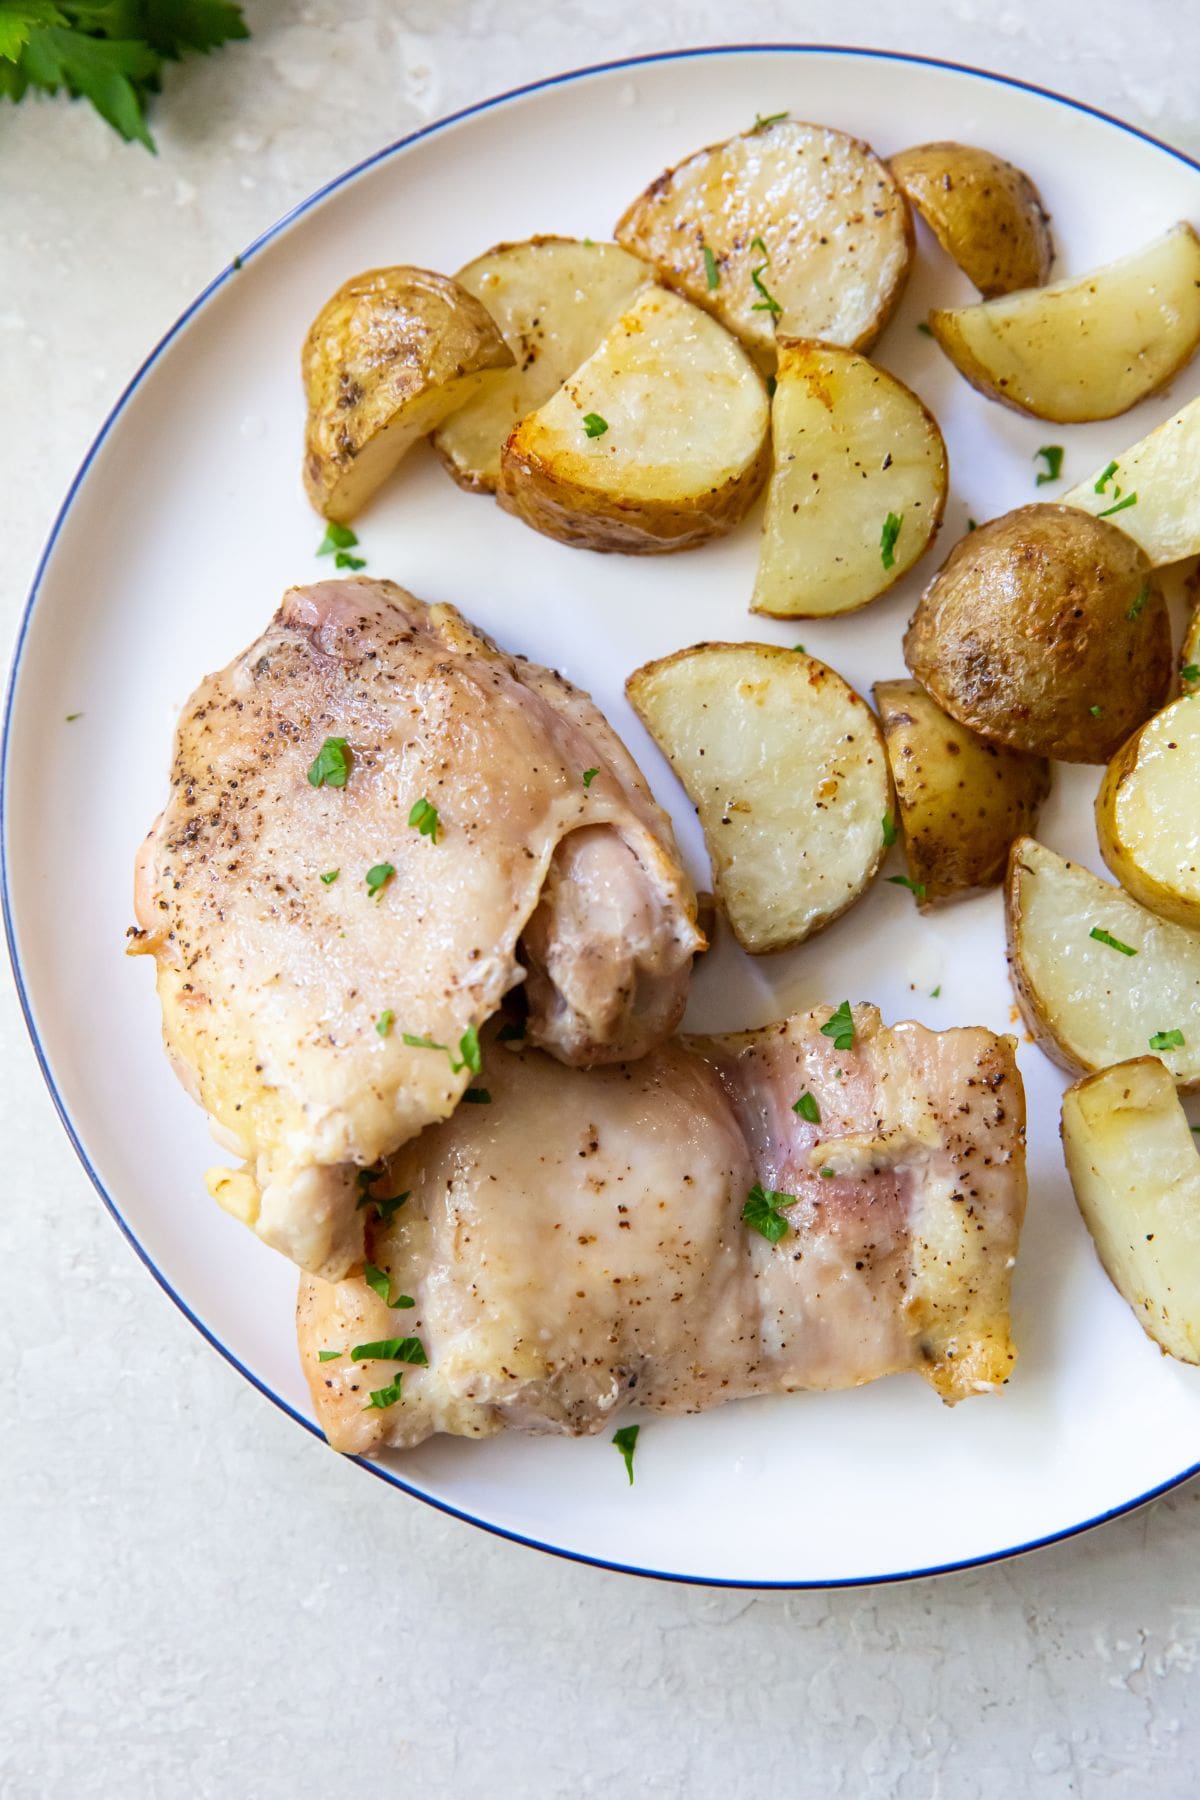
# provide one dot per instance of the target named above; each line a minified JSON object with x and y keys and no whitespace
{"x":578,"y":1240}
{"x":328,"y":949}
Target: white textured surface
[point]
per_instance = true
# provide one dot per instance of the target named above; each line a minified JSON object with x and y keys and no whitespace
{"x":194,"y":1598}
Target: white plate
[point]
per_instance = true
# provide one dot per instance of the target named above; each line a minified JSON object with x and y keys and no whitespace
{"x":176,"y":540}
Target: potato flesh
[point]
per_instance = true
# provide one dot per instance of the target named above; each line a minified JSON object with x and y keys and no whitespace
{"x":961,"y":800}
{"x":552,"y":299}
{"x":835,"y":237}
{"x":682,"y":451}
{"x":1163,"y":470}
{"x":1136,"y":1174}
{"x":852,"y":445}
{"x":1147,"y":817}
{"x":1088,"y":347}
{"x":386,"y":359}
{"x":1087,"y":1004}
{"x":984,"y":212}
{"x":786,"y":768}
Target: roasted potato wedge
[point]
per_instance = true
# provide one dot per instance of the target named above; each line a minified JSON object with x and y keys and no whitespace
{"x":1088,"y":347}
{"x":1044,"y":630}
{"x":785,"y":765}
{"x":858,"y":486}
{"x":1147,"y":817}
{"x":983,"y":211}
{"x":961,"y":800}
{"x":553,"y":299}
{"x":790,"y":228}
{"x":386,"y":359}
{"x":1153,"y":489}
{"x":657,"y":442}
{"x":1136,"y":1173}
{"x":1090,"y":1001}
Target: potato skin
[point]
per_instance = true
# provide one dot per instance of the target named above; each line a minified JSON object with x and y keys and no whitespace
{"x":1045,"y":630}
{"x":534,"y":491}
{"x":390,"y":343}
{"x":985,"y":213}
{"x":961,"y":800}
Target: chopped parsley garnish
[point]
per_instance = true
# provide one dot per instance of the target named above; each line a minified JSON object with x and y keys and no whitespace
{"x":712,"y":273}
{"x":915,"y":888}
{"x":330,"y":876}
{"x":468,"y":1050}
{"x":972,"y":525}
{"x":331,"y":765}
{"x":1167,"y":1040}
{"x":71,"y":717}
{"x":383,"y":1023}
{"x":626,"y":1442}
{"x":377,"y":1280}
{"x":760,"y":124}
{"x":808,"y":1109}
{"x":424,"y":818}
{"x":477,"y":1097}
{"x":827,"y":1171}
{"x":889,"y":831}
{"x":768,"y":303}
{"x":1139,"y":602}
{"x":756,"y":243}
{"x":366,"y":1179}
{"x":800,"y":648}
{"x":1095,"y":711}
{"x":1104,"y":477}
{"x":1052,"y":455}
{"x":1106,"y":937}
{"x":344,"y":560}
{"x":423,"y":1043}
{"x":761,"y":1212}
{"x":1119,"y":506}
{"x":337,"y":537}
{"x":384,"y":1397}
{"x":405,"y":1350}
{"x":589,"y":775}
{"x":512,"y":1032}
{"x":378,"y":877}
{"x":594,"y":425}
{"x":924,"y":329}
{"x":887,"y":539}
{"x":936,"y":993}
{"x":840,"y":1027}
{"x":385,"y":1212}
{"x":329,"y":1355}
{"x":1190,"y":672}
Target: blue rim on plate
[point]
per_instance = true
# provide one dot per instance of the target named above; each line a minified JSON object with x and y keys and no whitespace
{"x":381,"y":1473}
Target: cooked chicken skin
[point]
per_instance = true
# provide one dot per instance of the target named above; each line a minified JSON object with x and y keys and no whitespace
{"x":289,"y":987}
{"x":578,"y":1241}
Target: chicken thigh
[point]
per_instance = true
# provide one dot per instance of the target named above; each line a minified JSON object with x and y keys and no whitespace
{"x":368,"y":809}
{"x":577,"y":1240}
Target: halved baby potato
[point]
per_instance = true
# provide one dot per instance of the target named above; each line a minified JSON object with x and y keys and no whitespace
{"x":1088,"y":347}
{"x":385,"y":360}
{"x":983,"y":211}
{"x":552,"y":298}
{"x":657,"y":442}
{"x":789,"y":228}
{"x":858,"y":487}
{"x":1044,"y":630}
{"x":1161,"y":475}
{"x":961,"y":800}
{"x":1147,"y":816}
{"x":1098,"y":978}
{"x":786,"y":768}
{"x":1134,"y":1166}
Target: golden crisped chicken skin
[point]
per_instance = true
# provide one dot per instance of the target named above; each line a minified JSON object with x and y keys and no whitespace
{"x":577,"y":1240}
{"x":328,"y":949}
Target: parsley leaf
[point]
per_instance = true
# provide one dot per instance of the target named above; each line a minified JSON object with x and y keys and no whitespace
{"x":768,"y":303}
{"x":377,"y":1280}
{"x":1138,"y":602}
{"x":469,"y":1051}
{"x":423,"y":1043}
{"x":889,"y":831}
{"x":712,"y":273}
{"x":330,"y":876}
{"x":1104,"y":478}
{"x":1129,"y":500}
{"x":385,"y":1212}
{"x":840,"y":1027}
{"x":383,"y":1023}
{"x":384,"y":1397}
{"x":594,"y":425}
{"x":827,"y":1171}
{"x":1052,"y":455}
{"x":808,"y":1109}
{"x":915,"y":888}
{"x":972,"y":525}
{"x":1095,"y":711}
{"x":761,"y":1212}
{"x":378,"y":877}
{"x":887,"y":539}
{"x":760,"y":124}
{"x":405,"y":1350}
{"x":332,"y":764}
{"x":1167,"y":1040}
{"x":337,"y":537}
{"x":344,"y":560}
{"x":424,"y":818}
{"x":626,"y":1442}
{"x":589,"y":775}
{"x":329,"y":1355}
{"x":756,"y":243}
{"x":1106,"y":937}
{"x":477,"y":1097}
{"x":1190,"y":672}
